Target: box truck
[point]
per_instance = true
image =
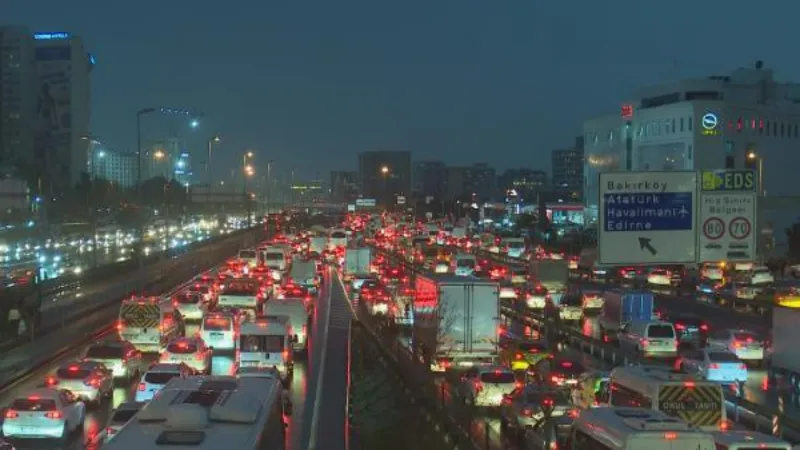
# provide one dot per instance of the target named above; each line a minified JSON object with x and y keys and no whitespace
{"x":455,"y":321}
{"x":357,"y":262}
{"x":621,"y":307}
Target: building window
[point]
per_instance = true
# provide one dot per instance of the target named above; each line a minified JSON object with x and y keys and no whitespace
{"x":690,"y":123}
{"x":673,"y":125}
{"x":766,"y":127}
{"x":681,"y":125}
{"x":730,"y":161}
{"x":775,"y":129}
{"x":782,"y":135}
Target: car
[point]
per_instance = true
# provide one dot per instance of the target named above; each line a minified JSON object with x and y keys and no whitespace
{"x":190,"y":304}
{"x":570,"y":308}
{"x":157,"y":377}
{"x":717,"y":365}
{"x":521,"y":354}
{"x":549,"y":434}
{"x":486,"y":385}
{"x":121,"y":357}
{"x":121,"y":415}
{"x":659,"y":277}
{"x":689,"y":328}
{"x":44,"y":413}
{"x":191,"y":351}
{"x":5,"y":445}
{"x":90,"y":381}
{"x":526,"y":405}
{"x":560,"y":371}
{"x":745,"y":344}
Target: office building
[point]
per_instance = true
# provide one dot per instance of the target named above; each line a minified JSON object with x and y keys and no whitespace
{"x":384,"y":175}
{"x":18,"y":96}
{"x":63,"y":67}
{"x":524,"y":184}
{"x":430,"y":179}
{"x":745,"y":119}
{"x":104,"y":163}
{"x":344,"y":186}
{"x":166,"y":158}
{"x":568,"y":171}
{"x":475,"y":183}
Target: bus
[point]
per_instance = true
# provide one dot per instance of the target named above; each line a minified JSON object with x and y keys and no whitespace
{"x":697,"y":402}
{"x":210,"y":413}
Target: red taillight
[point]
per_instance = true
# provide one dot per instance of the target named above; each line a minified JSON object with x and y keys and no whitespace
{"x":680,"y":326}
{"x":141,"y":387}
{"x":199,"y":357}
{"x":713,"y":366}
{"x":94,"y":382}
{"x":556,"y":379}
{"x":53,"y":415}
{"x":644,"y":342}
{"x":689,"y":384}
{"x":704,"y":327}
{"x":518,"y":355}
{"x":527,"y":412}
{"x":286,"y":355}
{"x":110,"y":431}
{"x":670,"y":436}
{"x":11,"y":414}
{"x":119,"y":326}
{"x":51,"y":381}
{"x":743,"y":366}
{"x":478,"y":386}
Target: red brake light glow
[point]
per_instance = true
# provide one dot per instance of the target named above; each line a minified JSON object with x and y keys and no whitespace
{"x":670,"y":436}
{"x":73,"y":368}
{"x":53,"y":415}
{"x":11,"y":414}
{"x":566,"y":364}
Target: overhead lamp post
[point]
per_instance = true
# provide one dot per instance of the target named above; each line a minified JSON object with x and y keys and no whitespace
{"x":211,"y":142}
{"x":753,"y":156}
{"x":248,"y":171}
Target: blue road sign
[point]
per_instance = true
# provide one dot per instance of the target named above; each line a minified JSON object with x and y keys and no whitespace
{"x":655,"y":211}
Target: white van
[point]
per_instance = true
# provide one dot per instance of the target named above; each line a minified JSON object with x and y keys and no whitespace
{"x":276,"y":258}
{"x":249,"y":257}
{"x":746,"y":440}
{"x":337,"y":239}
{"x":650,"y":337}
{"x":266,"y":343}
{"x":220,"y":331}
{"x":634,"y":429}
{"x":148,"y":323}
{"x":297,"y":312}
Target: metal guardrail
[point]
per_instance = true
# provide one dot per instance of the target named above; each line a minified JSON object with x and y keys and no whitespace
{"x":749,"y":414}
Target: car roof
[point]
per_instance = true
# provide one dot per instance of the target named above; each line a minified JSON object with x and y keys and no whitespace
{"x":165,"y":368}
{"x":45,"y":393}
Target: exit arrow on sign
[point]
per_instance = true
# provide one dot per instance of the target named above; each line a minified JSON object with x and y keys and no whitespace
{"x":644,"y":244}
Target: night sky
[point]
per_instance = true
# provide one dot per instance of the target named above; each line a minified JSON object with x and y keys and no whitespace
{"x":312,"y":83}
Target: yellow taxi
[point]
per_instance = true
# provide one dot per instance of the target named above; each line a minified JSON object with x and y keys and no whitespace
{"x":521,"y":355}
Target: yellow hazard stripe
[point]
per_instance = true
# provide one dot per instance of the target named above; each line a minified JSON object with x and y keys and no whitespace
{"x":141,"y":316}
{"x":709,"y":401}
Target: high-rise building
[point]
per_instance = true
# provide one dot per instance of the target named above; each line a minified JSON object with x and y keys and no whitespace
{"x":568,"y":171}
{"x":525,"y":184}
{"x":344,"y":186}
{"x":384,"y":175}
{"x":430,"y":179}
{"x":471,"y":183}
{"x":62,"y":106}
{"x":166,"y":158}
{"x":19,"y":82}
{"x":103,"y":163}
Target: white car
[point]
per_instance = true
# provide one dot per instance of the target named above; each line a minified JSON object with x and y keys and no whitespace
{"x":743,"y":343}
{"x":442,"y":267}
{"x":191,"y":305}
{"x":761,"y":275}
{"x":44,"y":413}
{"x":87,"y":380}
{"x":718,"y":365}
{"x":121,"y":415}
{"x":220,"y":330}
{"x":487,"y":386}
{"x":659,"y":277}
{"x":157,"y":377}
{"x":190,"y":351}
{"x":570,"y":308}
{"x":121,"y":357}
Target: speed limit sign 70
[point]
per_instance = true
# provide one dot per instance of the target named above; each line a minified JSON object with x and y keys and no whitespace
{"x":740,"y":228}
{"x":713,"y":228}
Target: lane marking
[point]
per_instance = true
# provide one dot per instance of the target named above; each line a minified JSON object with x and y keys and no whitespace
{"x":312,"y":439}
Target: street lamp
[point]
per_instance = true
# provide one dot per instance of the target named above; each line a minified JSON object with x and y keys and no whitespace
{"x":211,"y":142}
{"x":248,"y":171}
{"x":753,"y":156}
{"x":385,"y":172}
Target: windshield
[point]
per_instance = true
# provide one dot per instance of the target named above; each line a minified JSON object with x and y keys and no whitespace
{"x":660,"y":331}
{"x":262,"y":344}
{"x":187,"y":299}
{"x":28,"y":404}
{"x":568,"y":367}
{"x":104,"y":352}
{"x":466,"y":263}
{"x":516,"y":244}
{"x":723,"y":357}
{"x":273,"y":256}
{"x":338,"y":235}
{"x":182,"y":347}
{"x":247,"y":254}
{"x":498,"y":377}
{"x":538,"y":397}
{"x":216,"y":324}
{"x":532,"y":347}
{"x":73,"y":373}
{"x":745,"y":337}
{"x":159,"y":377}
{"x":123,"y":415}
{"x":570,"y":301}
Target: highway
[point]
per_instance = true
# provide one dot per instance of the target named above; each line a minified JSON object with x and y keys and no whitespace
{"x":222,"y":364}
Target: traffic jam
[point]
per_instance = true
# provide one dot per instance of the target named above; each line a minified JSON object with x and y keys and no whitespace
{"x":255,"y":311}
{"x":475,"y":308}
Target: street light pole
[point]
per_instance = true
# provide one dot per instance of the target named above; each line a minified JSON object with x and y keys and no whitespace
{"x":208,"y":165}
{"x":247,"y":171}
